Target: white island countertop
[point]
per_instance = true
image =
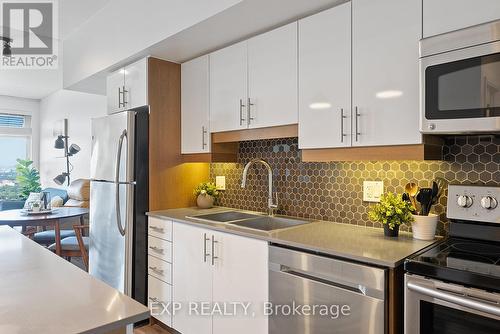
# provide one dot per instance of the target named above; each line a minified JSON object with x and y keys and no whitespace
{"x":43,"y":293}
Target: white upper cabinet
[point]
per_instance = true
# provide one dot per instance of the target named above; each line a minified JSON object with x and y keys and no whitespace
{"x":272,"y":78}
{"x":195,"y":133}
{"x":228,"y":88}
{"x":127,"y":87}
{"x":385,"y":72}
{"x":136,"y":84}
{"x":325,"y":79}
{"x":442,"y":16}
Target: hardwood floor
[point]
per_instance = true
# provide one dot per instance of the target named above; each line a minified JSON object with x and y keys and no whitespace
{"x":151,"y":329}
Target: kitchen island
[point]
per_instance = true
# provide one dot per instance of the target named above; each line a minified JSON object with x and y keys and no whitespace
{"x":43,"y":293}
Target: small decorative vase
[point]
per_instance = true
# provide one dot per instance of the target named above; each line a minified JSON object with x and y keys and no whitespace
{"x":391,"y":233}
{"x":205,"y":201}
{"x":424,"y":227}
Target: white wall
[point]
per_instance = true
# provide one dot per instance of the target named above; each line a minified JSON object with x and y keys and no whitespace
{"x":22,"y":106}
{"x":78,"y":108}
{"x":123,"y":28}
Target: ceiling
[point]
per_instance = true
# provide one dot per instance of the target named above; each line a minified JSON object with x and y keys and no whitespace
{"x":36,"y":84}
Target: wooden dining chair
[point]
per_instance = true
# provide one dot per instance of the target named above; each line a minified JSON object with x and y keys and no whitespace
{"x":76,"y":246}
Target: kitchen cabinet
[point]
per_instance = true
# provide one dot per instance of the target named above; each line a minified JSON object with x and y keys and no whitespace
{"x":127,"y":87}
{"x":272,"y":78}
{"x":228,"y":88}
{"x":325,"y":79}
{"x":441,"y":16}
{"x":385,"y":76}
{"x":253,"y":84}
{"x":217,"y":267}
{"x":195,"y":133}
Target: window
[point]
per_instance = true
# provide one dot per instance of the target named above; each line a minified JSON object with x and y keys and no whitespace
{"x":15,"y":143}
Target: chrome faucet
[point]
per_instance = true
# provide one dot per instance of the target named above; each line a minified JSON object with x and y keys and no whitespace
{"x":271,"y":204}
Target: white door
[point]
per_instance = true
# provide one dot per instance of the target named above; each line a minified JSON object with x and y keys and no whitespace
{"x":385,"y":72}
{"x":136,"y":84}
{"x":114,"y":85}
{"x":240,"y":275}
{"x":192,"y":277}
{"x":195,"y":134}
{"x":325,"y":79}
{"x":272,"y":78}
{"x":442,"y":16}
{"x":228,"y":88}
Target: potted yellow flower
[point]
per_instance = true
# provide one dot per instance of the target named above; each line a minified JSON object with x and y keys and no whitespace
{"x":205,"y":193}
{"x":391,"y":212}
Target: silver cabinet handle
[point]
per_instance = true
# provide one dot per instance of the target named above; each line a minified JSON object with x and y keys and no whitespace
{"x":213,"y":250}
{"x":455,"y":299}
{"x":156,"y":228}
{"x":250,"y":104}
{"x":203,"y":133}
{"x":342,"y":117}
{"x":357,"y":123}
{"x":156,"y":270}
{"x":242,"y":119}
{"x":156,"y":249}
{"x":117,"y":181}
{"x":205,"y":254}
{"x":119,"y":97}
{"x":124,"y":93}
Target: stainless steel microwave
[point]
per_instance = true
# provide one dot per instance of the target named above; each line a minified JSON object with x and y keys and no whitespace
{"x":460,"y":81}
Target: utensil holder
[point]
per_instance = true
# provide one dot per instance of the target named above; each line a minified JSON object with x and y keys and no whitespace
{"x":424,"y":227}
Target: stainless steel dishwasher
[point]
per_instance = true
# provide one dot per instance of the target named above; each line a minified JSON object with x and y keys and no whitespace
{"x":309,"y":293}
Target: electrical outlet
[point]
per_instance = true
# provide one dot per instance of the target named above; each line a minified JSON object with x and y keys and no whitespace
{"x":372,"y":190}
{"x":220,"y":182}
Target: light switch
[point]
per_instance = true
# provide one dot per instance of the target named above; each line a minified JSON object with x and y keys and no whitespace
{"x":220,"y":182}
{"x":372,"y":190}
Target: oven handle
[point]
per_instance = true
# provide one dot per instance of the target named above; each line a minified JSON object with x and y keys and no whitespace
{"x":458,"y":300}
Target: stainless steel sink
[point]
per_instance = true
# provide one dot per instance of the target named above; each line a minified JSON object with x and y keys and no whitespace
{"x":267,"y":223}
{"x":225,"y":217}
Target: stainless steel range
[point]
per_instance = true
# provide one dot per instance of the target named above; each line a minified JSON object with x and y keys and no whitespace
{"x":454,"y":287}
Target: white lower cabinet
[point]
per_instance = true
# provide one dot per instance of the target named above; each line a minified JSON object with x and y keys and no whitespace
{"x":219,"y":270}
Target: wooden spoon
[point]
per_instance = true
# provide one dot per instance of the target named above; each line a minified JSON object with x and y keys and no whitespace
{"x":412,"y":190}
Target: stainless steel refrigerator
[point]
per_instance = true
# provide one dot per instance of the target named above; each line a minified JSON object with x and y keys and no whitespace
{"x":119,"y":201}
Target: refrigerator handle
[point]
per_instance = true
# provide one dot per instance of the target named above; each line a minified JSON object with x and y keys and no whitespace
{"x":117,"y":181}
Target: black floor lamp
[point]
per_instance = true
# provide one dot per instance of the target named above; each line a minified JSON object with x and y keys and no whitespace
{"x":62,"y":143}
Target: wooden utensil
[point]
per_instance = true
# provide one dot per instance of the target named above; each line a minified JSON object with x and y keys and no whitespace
{"x":412,"y":190}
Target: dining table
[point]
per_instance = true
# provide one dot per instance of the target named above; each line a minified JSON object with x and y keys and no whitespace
{"x":24,"y":218}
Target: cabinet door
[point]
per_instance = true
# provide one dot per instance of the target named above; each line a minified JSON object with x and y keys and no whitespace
{"x":228,"y":88}
{"x":272,"y":78}
{"x":325,"y":79}
{"x":442,"y":16}
{"x":385,"y":72}
{"x":192,"y":277}
{"x":136,"y":84}
{"x":195,"y":106}
{"x":114,"y":85}
{"x":240,"y":275}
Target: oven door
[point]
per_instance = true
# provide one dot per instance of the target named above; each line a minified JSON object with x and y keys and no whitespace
{"x":435,"y":307}
{"x":460,"y":90}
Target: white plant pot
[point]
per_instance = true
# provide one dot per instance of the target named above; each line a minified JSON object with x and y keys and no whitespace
{"x":424,"y":227}
{"x":205,"y":201}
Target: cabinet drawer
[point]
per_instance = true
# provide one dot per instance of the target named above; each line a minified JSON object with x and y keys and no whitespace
{"x":160,"y":228}
{"x":161,"y":293}
{"x":160,"y":248}
{"x":160,"y":269}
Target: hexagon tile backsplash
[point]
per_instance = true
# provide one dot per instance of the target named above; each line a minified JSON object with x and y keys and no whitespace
{"x":333,"y":191}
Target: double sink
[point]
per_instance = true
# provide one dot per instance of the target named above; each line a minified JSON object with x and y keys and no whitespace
{"x":252,"y":221}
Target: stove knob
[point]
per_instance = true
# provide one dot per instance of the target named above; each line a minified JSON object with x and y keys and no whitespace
{"x":464,"y":201}
{"x":489,"y":202}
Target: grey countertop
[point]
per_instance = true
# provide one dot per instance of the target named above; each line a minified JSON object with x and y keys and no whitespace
{"x":363,"y":244}
{"x":41,"y":292}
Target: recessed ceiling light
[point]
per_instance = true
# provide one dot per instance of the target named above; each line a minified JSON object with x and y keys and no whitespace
{"x":388,"y":94}
{"x":320,"y":105}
